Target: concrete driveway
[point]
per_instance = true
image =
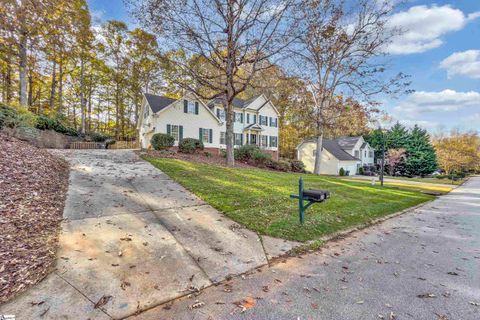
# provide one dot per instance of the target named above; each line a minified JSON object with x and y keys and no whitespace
{"x":133,"y":239}
{"x":422,"y":265}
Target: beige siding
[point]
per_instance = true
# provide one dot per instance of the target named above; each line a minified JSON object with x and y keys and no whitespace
{"x":329,"y":164}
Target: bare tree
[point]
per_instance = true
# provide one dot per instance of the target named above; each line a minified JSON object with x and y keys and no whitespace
{"x":339,"y":52}
{"x":226,"y":43}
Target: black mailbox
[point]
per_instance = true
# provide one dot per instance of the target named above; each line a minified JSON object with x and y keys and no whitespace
{"x":316,"y":195}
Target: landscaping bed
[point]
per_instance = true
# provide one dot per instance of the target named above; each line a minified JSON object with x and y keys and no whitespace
{"x":259,"y":199}
{"x":200,"y":157}
{"x":33,"y":185}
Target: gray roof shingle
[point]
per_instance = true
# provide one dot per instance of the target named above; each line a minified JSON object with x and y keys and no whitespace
{"x":335,"y":149}
{"x":347,"y":142}
{"x":158,"y":103}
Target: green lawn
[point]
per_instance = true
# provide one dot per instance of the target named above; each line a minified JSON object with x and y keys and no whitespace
{"x":259,"y":199}
{"x":429,"y":180}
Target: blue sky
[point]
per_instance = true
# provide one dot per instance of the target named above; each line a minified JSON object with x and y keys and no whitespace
{"x":440,"y":51}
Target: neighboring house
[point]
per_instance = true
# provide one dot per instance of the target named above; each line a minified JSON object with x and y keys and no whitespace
{"x":349,"y":153}
{"x":255,"y":121}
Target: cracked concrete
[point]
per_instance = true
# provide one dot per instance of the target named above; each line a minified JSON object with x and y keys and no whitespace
{"x":135,"y":236}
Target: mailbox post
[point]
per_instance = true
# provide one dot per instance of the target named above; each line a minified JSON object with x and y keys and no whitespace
{"x":311,"y":195}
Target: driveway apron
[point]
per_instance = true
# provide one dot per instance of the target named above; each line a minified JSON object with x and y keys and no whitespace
{"x":132,"y":239}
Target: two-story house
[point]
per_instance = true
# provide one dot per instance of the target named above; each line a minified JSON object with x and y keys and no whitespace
{"x":255,"y":121}
{"x":349,"y":153}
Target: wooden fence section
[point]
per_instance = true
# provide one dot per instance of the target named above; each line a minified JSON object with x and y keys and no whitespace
{"x":85,"y":145}
{"x":125,"y":145}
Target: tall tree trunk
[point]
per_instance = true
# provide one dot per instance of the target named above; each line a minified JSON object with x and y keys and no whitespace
{"x":60,"y":86}
{"x":22,"y":49}
{"x":117,"y":111}
{"x":54,"y":84}
{"x":318,"y":154}
{"x":8,"y":91}
{"x":30,"y":91}
{"x":82,"y":94}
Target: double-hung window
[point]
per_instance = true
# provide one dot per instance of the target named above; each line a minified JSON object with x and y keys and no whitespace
{"x":175,"y":131}
{"x":273,"y":141}
{"x":238,"y":139}
{"x":264,"y":141}
{"x":223,"y":139}
{"x":191,"y":107}
{"x":221,"y":114}
{"x":263,"y":120}
{"x":205,"y":135}
{"x":239,"y":117}
{"x":273,"y":122}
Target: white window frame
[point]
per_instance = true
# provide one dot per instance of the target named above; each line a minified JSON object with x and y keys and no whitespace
{"x":239,"y":136}
{"x":191,"y":107}
{"x":206,"y":135}
{"x":276,"y":141}
{"x":238,"y":117}
{"x":221,"y":114}
{"x":223,"y":137}
{"x":264,"y":141}
{"x":175,"y":131}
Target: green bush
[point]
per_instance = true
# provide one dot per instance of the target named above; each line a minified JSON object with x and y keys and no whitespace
{"x":361,"y":171}
{"x":13,"y":118}
{"x":162,"y":141}
{"x":260,"y":157}
{"x":98,"y":137}
{"x":247,"y":152}
{"x":48,"y":123}
{"x":282,"y":165}
{"x":190,"y":145}
{"x":297,"y":166}
{"x":341,"y":172}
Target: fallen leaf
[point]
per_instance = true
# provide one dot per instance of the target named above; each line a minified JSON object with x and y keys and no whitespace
{"x":426,"y":295}
{"x":197,"y":304}
{"x":102,"y":301}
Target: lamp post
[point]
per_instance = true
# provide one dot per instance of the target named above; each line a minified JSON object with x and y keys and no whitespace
{"x":382,"y":163}
{"x":382,"y":159}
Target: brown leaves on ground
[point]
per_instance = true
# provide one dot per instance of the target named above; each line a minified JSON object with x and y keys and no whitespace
{"x":246,"y":304}
{"x":33,"y":185}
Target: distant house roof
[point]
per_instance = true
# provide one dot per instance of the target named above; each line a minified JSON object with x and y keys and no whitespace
{"x":347,"y":142}
{"x":158,"y":103}
{"x":334,"y":148}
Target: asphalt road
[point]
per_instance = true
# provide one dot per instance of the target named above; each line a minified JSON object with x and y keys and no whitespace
{"x":421,"y":265}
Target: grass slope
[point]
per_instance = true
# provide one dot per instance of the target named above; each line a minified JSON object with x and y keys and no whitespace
{"x":259,"y":199}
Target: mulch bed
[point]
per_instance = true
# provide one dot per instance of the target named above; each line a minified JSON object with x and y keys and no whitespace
{"x":200,"y":157}
{"x":33,"y":185}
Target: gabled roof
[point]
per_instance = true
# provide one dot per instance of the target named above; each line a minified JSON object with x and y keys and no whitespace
{"x":253,"y":126}
{"x":334,"y":148}
{"x":237,"y":102}
{"x":347,"y":142}
{"x":158,"y":103}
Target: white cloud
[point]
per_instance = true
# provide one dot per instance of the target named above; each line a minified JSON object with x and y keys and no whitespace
{"x":423,"y":27}
{"x":421,"y":123}
{"x":435,"y":102}
{"x":466,"y":63}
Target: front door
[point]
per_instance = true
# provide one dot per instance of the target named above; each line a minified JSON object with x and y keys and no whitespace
{"x":253,"y":138}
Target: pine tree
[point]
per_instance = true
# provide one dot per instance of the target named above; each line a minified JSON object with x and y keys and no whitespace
{"x":421,"y":158}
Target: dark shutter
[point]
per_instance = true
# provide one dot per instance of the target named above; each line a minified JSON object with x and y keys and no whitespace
{"x":270,"y":119}
{"x":218,"y":113}
{"x":196,"y":107}
{"x":248,"y":117}
{"x":210,"y":136}
{"x":180,"y":133}
{"x":185,"y":106}
{"x":241,"y":118}
{"x":269,"y":141}
{"x":200,"y":134}
{"x":254,"y":118}
{"x":169,"y":129}
{"x":241,"y":139}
